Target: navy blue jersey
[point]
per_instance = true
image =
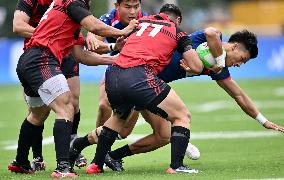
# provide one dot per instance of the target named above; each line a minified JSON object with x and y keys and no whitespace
{"x":173,"y":71}
{"x":112,"y":19}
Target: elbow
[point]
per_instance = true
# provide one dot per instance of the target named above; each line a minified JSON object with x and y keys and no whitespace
{"x":197,"y":69}
{"x":16,"y":29}
{"x":211,"y":32}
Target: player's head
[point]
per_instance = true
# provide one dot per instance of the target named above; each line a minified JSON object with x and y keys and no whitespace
{"x":128,"y":10}
{"x":173,"y":12}
{"x":242,"y":47}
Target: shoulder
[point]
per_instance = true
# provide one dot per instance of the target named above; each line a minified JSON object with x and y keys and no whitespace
{"x":108,"y":17}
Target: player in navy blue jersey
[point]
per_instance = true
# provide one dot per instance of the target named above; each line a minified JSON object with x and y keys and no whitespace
{"x":237,"y":53}
{"x":119,"y":17}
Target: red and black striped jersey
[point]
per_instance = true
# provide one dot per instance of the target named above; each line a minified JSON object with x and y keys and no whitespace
{"x":153,"y":43}
{"x":59,"y":28}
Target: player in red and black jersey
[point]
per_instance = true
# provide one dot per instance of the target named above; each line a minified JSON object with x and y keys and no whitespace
{"x":132,"y":84}
{"x":26,"y":18}
{"x":39,"y":67}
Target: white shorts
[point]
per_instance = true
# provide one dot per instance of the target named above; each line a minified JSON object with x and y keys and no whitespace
{"x":52,"y":88}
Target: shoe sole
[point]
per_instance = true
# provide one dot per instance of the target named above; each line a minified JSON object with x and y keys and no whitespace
{"x":17,"y":169}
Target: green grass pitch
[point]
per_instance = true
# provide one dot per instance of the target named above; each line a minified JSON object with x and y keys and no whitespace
{"x":236,"y":154}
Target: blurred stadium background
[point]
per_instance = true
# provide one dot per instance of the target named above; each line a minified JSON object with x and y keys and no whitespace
{"x":232,"y":145}
{"x":264,"y":17}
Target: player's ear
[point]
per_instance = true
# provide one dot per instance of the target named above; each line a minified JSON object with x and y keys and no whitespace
{"x":116,"y":5}
{"x":235,"y":46}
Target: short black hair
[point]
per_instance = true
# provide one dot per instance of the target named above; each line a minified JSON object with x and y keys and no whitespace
{"x":171,"y":9}
{"x":119,"y":1}
{"x":248,"y":39}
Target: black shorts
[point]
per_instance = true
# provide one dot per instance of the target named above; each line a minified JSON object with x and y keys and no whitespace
{"x":69,"y":66}
{"x":136,"y":87}
{"x":34,"y":67}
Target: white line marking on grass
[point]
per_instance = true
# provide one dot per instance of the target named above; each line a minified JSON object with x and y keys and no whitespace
{"x":198,"y":136}
{"x":219,"y":135}
{"x":211,"y":106}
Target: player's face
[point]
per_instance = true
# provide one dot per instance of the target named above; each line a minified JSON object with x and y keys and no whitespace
{"x":237,"y":55}
{"x":128,"y":10}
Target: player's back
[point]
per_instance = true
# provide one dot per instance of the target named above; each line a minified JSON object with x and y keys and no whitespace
{"x":152,"y":44}
{"x":56,"y":30}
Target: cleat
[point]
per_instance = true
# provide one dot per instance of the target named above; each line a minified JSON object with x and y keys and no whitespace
{"x":182,"y":169}
{"x":76,"y":158}
{"x":115,"y":165}
{"x":38,"y":164}
{"x":19,"y":168}
{"x":93,"y":169}
{"x":63,"y":170}
{"x":80,"y":161}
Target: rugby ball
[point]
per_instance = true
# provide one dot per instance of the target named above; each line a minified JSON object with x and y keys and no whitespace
{"x":205,"y":55}
{"x":192,"y":152}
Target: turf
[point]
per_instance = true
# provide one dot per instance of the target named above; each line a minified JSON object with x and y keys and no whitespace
{"x":238,"y":158}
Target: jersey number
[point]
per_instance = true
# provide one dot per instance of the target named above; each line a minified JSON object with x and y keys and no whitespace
{"x":46,"y":12}
{"x":153,"y":33}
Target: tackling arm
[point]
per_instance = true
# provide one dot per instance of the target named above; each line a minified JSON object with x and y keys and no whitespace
{"x":90,"y":58}
{"x":243,"y":100}
{"x":21,"y":24}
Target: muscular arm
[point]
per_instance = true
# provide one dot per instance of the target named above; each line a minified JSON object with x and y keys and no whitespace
{"x":21,"y":24}
{"x":235,"y":91}
{"x":90,"y":58}
{"x":213,"y":41}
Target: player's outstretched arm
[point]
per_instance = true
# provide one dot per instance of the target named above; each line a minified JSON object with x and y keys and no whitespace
{"x":96,"y":26}
{"x":21,"y":24}
{"x":90,"y":58}
{"x":235,"y":91}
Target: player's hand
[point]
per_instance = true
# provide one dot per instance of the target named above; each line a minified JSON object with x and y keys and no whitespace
{"x":185,"y":67}
{"x":119,"y":44}
{"x":215,"y":69}
{"x":92,"y":42}
{"x":131,"y":26}
{"x":271,"y":125}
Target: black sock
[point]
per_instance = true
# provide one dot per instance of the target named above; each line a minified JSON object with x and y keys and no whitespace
{"x":76,"y":121}
{"x":81,"y":143}
{"x":121,"y":152}
{"x":37,"y":144}
{"x":179,"y":142}
{"x":26,"y":138}
{"x":105,"y":141}
{"x":61,"y":132}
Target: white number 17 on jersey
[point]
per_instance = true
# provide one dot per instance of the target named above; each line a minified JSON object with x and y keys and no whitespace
{"x":153,"y":33}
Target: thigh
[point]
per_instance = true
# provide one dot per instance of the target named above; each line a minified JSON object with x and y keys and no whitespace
{"x":74,"y":86}
{"x":176,"y":109}
{"x":160,"y":126}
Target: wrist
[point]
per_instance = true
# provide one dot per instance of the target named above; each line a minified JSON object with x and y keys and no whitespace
{"x":261,"y":119}
{"x":220,"y":60}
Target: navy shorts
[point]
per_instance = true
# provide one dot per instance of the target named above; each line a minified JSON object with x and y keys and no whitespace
{"x":35,"y":66}
{"x":69,"y":66}
{"x":136,"y":87}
